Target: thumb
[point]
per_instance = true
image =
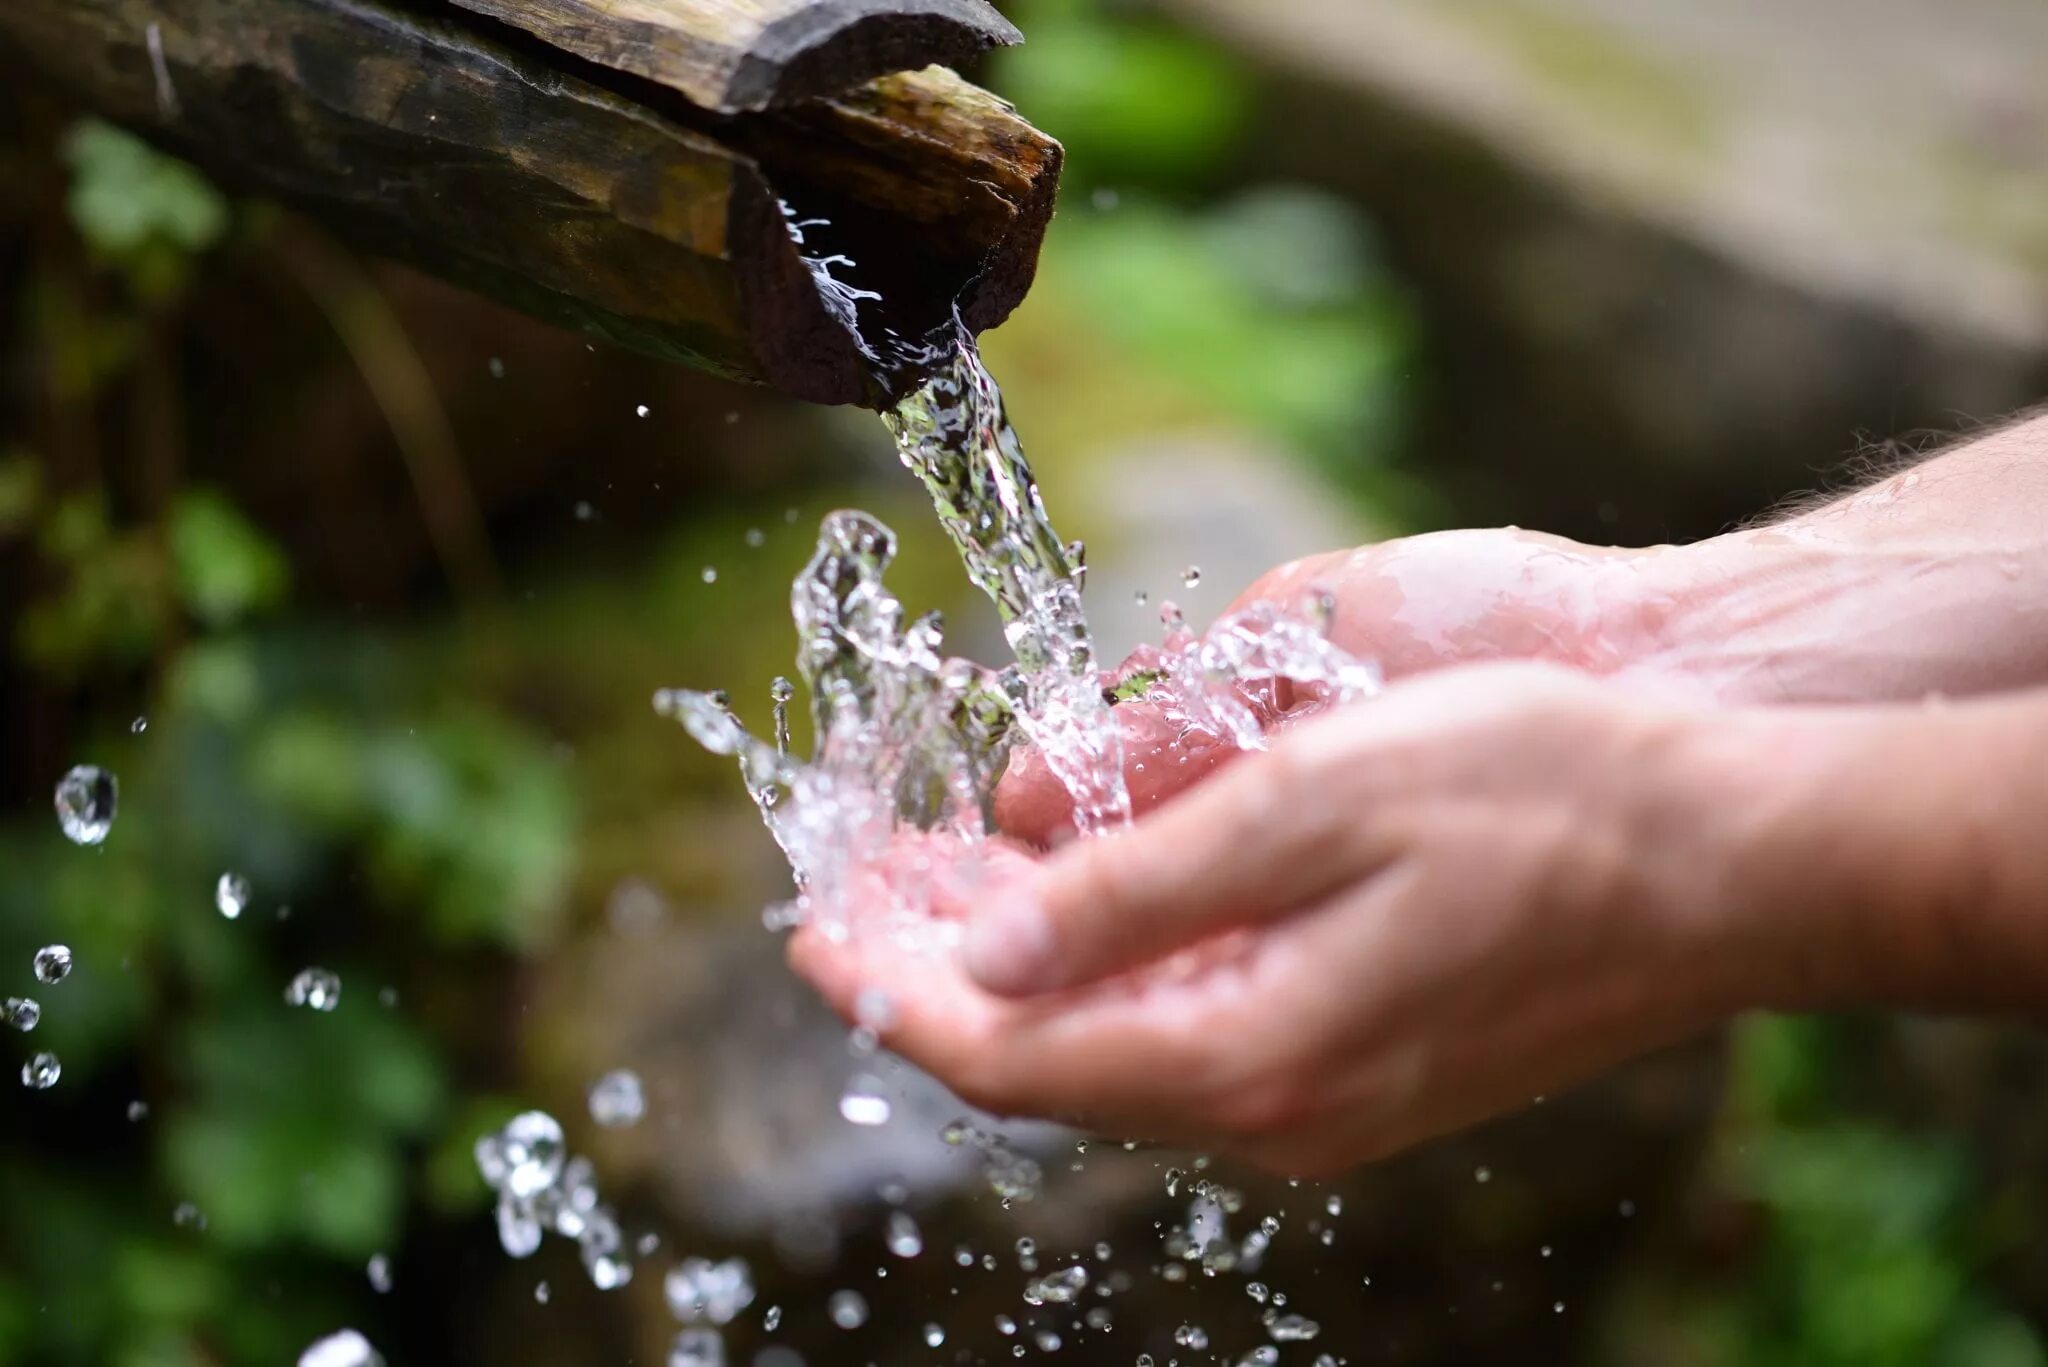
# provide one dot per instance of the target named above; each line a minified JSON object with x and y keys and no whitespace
{"x":1248,"y":846}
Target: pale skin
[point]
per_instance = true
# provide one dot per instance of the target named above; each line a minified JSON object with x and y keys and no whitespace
{"x":1610,"y":798}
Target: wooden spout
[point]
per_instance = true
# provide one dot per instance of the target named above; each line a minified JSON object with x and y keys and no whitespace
{"x":598,"y":195}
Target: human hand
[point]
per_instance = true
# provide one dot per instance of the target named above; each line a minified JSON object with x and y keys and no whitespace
{"x":1406,"y":916}
{"x":1408,"y":605}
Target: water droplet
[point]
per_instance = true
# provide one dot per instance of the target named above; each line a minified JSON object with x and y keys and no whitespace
{"x":697,"y":1348}
{"x":1293,"y":1329}
{"x":641,"y":410}
{"x":1257,"y":1291}
{"x":138,"y":1111}
{"x":1173,"y":1176}
{"x":904,"y":1239}
{"x":874,"y":1009}
{"x":519,"y":1232}
{"x":1192,"y":1336}
{"x":345,"y":1349}
{"x":1005,"y":1325}
{"x":138,"y":726}
{"x":316,"y":988}
{"x":773,"y":1319}
{"x":863,"y":1102}
{"x":1335,"y":1205}
{"x":699,"y":1291}
{"x":601,"y":1245}
{"x":1627,"y":1209}
{"x":86,"y":800}
{"x":523,"y":1159}
{"x":756,"y":538}
{"x":1103,"y":200}
{"x":1191,"y":576}
{"x":496,"y":365}
{"x":617,"y":1100}
{"x":1557,"y":1308}
{"x":1141,"y":598}
{"x":1058,"y":1288}
{"x":231,"y":894}
{"x":1047,"y":1341}
{"x":934,"y":1335}
{"x":21,"y":1012}
{"x":1545,"y":1250}
{"x":53,"y":963}
{"x":849,"y":1309}
{"x":709,"y":574}
{"x":188,"y":1216}
{"x":541,"y":1293}
{"x":380,"y":1273}
{"x":1482,"y":1174}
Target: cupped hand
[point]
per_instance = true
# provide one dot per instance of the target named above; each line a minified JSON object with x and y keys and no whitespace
{"x":1410,"y":605}
{"x":1407,"y":915}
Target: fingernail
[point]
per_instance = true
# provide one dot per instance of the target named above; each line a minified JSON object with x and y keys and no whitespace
{"x":1009,"y":946}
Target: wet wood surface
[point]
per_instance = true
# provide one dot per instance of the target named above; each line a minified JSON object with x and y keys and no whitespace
{"x":737,"y":55}
{"x":586,"y":201}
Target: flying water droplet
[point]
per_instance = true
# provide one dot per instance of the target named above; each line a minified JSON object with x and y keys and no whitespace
{"x":41,"y":1072}
{"x":1191,"y":576}
{"x":138,"y":726}
{"x":617,"y":1099}
{"x":905,"y":1241}
{"x":380,"y":1274}
{"x":188,"y":1216}
{"x":231,"y":895}
{"x":849,"y":1309}
{"x":934,"y":1335}
{"x":523,"y":1159}
{"x":86,"y":800}
{"x":772,"y":1320}
{"x":863,"y":1102}
{"x":1292,"y":1329}
{"x":697,"y":1348}
{"x":709,"y":574}
{"x":53,"y":963}
{"x":345,"y":1349}
{"x":641,"y":410}
{"x":316,"y":988}
{"x":699,"y":1291}
{"x":21,"y":1012}
{"x":541,"y":1293}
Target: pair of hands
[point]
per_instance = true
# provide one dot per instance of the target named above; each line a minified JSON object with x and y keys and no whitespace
{"x":1405,"y":916}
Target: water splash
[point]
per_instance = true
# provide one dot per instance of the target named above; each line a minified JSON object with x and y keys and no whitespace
{"x":909,"y":740}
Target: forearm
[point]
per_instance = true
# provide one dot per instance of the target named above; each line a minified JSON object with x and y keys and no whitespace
{"x":1889,"y":856}
{"x":1934,"y":580}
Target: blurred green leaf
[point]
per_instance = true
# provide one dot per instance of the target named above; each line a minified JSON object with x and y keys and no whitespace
{"x":226,"y":568}
{"x":1136,"y":100}
{"x":125,"y":194}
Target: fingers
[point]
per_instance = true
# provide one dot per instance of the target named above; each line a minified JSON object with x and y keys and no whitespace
{"x":1118,"y":1063}
{"x":1250,"y":845}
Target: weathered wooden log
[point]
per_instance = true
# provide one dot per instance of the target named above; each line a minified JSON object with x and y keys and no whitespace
{"x":578,"y":194}
{"x":738,"y":55}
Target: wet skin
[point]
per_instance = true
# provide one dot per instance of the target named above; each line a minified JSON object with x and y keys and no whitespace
{"x":1498,"y":878}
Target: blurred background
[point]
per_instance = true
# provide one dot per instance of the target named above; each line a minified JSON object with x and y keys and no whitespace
{"x":361,"y":586}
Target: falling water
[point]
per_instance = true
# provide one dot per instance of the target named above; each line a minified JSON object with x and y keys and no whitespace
{"x":955,"y":437}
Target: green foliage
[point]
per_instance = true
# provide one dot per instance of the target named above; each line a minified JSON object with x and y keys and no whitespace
{"x":1137,"y":101}
{"x":225,"y":568}
{"x":1270,"y":304}
{"x":1869,"y":1257}
{"x":139,"y":209}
